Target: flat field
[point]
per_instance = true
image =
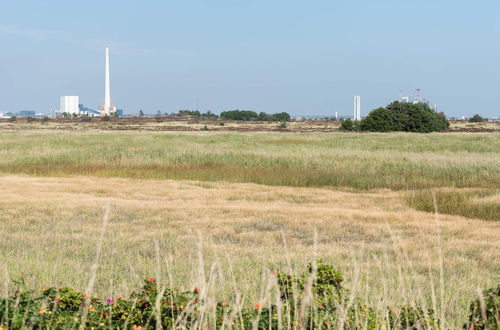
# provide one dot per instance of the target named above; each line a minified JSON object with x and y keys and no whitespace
{"x":252,"y":202}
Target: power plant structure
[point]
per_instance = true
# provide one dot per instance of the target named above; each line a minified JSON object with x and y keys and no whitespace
{"x":107,"y":109}
{"x":357,"y":108}
{"x":70,"y":105}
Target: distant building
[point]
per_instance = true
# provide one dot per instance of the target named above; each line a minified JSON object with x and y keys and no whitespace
{"x":119,"y":112}
{"x":27,"y":113}
{"x":5,"y":114}
{"x":70,"y":105}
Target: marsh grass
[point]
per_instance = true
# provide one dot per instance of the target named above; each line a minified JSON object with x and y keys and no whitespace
{"x":352,"y":161}
{"x":474,"y":204}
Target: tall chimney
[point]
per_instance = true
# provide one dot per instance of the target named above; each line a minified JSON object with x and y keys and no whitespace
{"x":107,"y":92}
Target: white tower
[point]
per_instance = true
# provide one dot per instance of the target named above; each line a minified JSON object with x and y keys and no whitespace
{"x":107,"y":109}
{"x":357,"y":108}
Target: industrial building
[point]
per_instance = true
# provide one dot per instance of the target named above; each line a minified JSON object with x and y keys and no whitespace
{"x":69,"y":105}
{"x":27,"y":113}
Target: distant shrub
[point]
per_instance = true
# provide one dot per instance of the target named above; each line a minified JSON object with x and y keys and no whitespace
{"x":106,"y":118}
{"x":196,"y":113}
{"x":347,"y":125}
{"x":45,"y":119}
{"x":184,"y":113}
{"x":476,"y":119}
{"x":13,"y":119}
{"x":86,"y":119}
{"x":221,"y":124}
{"x":282,"y":125}
{"x":30,"y":119}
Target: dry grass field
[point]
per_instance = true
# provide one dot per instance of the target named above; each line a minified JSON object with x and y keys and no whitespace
{"x":201,"y":194}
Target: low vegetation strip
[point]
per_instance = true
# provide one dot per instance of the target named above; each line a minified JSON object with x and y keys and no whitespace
{"x":359,"y":161}
{"x":316,"y":299}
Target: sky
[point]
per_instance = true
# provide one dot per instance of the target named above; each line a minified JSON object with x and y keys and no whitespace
{"x":302,"y":57}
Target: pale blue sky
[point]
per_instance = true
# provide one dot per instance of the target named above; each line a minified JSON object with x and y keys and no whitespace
{"x":304,"y":57}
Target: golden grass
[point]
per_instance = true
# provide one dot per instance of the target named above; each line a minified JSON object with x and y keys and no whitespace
{"x":50,"y":227}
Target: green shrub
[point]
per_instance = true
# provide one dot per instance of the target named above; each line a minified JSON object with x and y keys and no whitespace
{"x":485,"y":312}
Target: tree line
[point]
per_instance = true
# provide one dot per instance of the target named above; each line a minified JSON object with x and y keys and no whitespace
{"x":245,"y":115}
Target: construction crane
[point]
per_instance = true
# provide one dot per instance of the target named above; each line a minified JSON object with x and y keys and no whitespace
{"x":417,"y":98}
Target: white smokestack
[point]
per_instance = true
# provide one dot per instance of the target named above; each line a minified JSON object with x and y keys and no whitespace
{"x":107,"y":92}
{"x":357,"y":108}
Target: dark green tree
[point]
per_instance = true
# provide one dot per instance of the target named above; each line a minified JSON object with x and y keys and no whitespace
{"x":476,"y":119}
{"x":281,"y":116}
{"x":239,"y":115}
{"x":380,"y":120}
{"x":263,"y":116}
{"x":404,"y":116}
